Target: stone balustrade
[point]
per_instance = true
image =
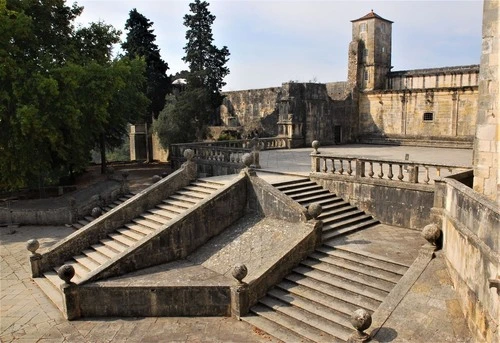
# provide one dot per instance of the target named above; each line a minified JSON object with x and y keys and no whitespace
{"x":393,"y":170}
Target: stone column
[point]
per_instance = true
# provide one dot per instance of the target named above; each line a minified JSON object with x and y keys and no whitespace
{"x":487,"y":140}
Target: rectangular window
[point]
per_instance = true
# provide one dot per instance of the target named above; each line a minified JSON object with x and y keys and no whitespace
{"x":383,"y":49}
{"x":362,"y":27}
{"x":366,"y":75}
{"x":428,"y":116}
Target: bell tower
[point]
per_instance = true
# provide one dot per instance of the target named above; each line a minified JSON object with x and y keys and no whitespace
{"x":371,"y":47}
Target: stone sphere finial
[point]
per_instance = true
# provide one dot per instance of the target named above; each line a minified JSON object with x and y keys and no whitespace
{"x":314,"y":210}
{"x":315,"y":145}
{"x":431,"y":233}
{"x":247,"y":160}
{"x":239,"y":272}
{"x":188,"y":154}
{"x":360,"y":320}
{"x":96,"y":212}
{"x":32,"y":245}
{"x":66,"y":273}
{"x":156,"y":178}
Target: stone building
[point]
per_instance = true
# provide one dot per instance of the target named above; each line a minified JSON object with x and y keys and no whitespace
{"x":435,"y":106}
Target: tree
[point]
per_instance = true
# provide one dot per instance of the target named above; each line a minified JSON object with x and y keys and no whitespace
{"x":56,"y":94}
{"x":207,"y":63}
{"x":185,"y":118}
{"x":140,"y":43}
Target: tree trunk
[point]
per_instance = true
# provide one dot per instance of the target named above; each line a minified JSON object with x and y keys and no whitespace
{"x":102,"y":146}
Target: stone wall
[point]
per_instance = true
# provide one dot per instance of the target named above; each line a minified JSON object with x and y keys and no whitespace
{"x":393,"y":203}
{"x":252,"y":108}
{"x":453,"y":113}
{"x":470,"y":225}
{"x":487,"y":139}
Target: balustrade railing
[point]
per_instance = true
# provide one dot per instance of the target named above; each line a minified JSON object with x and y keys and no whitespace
{"x":392,"y":170}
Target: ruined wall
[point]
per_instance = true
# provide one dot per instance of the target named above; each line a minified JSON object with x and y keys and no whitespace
{"x":461,"y":76}
{"x":453,"y":112}
{"x":251,"y":108}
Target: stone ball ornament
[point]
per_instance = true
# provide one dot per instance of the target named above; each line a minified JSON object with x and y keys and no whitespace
{"x":247,"y":160}
{"x":314,"y":210}
{"x":96,"y":212}
{"x":188,"y":154}
{"x":32,"y":245}
{"x":361,"y":320}
{"x":315,"y":146}
{"x":156,"y":178}
{"x":239,"y":272}
{"x":431,"y":233}
{"x":66,"y":273}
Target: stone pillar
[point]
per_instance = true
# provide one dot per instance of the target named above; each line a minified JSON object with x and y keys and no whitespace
{"x":487,"y":140}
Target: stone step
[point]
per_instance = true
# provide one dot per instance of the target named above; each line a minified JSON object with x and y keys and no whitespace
{"x":147,"y":223}
{"x":117,"y":202}
{"x":180,"y":205}
{"x":352,"y":212}
{"x":78,"y":226}
{"x":89,"y":218}
{"x":192,"y":194}
{"x":87,"y":262}
{"x":334,"y":208}
{"x":211,"y":185}
{"x":345,"y":222}
{"x":123,"y":198}
{"x":115,"y":245}
{"x":292,"y":324}
{"x":83,"y":222}
{"x":190,"y":201}
{"x":107,"y":208}
{"x":333,"y":291}
{"x":97,"y":256}
{"x":340,"y":320}
{"x":303,"y":189}
{"x":321,"y":199}
{"x":372,"y":260}
{"x":282,"y":186}
{"x":127,"y":241}
{"x":346,"y":284}
{"x":375,"y":279}
{"x":169,"y":210}
{"x":274,"y":329}
{"x":328,"y":330}
{"x":50,"y":285}
{"x":139,"y":228}
{"x":318,"y":297}
{"x":199,"y":190}
{"x":131,"y":233}
{"x":305,"y":196}
{"x":158,"y":218}
{"x":330,"y":233}
{"x":107,"y":248}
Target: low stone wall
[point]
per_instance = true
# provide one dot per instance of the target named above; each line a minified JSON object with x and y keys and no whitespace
{"x":118,"y":216}
{"x":154,"y":301}
{"x":435,"y":142}
{"x":470,"y":224}
{"x":395,"y":203}
{"x":62,"y":210}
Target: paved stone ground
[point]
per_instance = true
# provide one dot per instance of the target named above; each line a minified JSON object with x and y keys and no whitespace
{"x":27,"y":315}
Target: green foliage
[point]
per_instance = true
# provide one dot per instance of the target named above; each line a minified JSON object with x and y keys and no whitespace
{"x":140,"y":43}
{"x":59,"y":92}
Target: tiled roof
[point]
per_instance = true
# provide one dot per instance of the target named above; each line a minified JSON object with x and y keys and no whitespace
{"x":371,"y":15}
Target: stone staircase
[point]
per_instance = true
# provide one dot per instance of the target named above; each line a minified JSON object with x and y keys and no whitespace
{"x":128,"y":236}
{"x":87,"y":219}
{"x":338,"y":216}
{"x":315,"y":301}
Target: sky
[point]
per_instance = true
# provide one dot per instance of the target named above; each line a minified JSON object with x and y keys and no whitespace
{"x":273,"y":41}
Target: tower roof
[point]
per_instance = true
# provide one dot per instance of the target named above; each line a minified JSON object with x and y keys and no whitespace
{"x":371,"y":15}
